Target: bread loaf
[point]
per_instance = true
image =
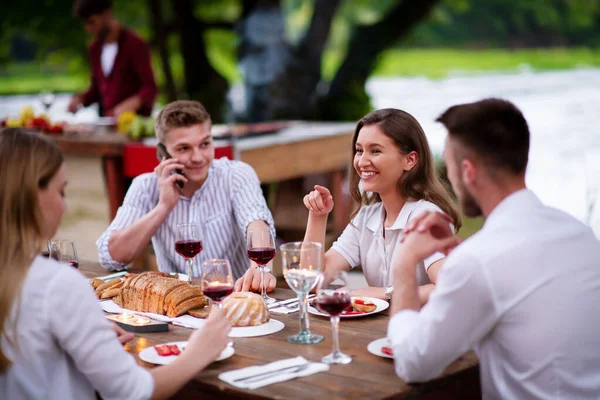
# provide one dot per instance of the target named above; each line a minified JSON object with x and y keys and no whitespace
{"x":159,"y":293}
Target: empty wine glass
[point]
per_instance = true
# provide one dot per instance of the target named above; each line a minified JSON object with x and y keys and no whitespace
{"x":261,"y":250}
{"x":63,"y":251}
{"x":301,"y":263}
{"x":217,"y":279}
{"x":333,"y":298}
{"x":47,"y":99}
{"x":188,"y":244}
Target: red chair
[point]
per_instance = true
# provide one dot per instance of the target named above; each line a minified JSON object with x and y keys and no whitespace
{"x":139,"y":158}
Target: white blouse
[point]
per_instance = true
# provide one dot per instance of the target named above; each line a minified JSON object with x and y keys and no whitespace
{"x":65,"y":347}
{"x":363,"y":243}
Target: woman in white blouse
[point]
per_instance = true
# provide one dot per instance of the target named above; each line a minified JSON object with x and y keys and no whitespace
{"x":55,"y":341}
{"x":395,"y":179}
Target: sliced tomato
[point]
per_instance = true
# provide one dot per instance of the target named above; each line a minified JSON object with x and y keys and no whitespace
{"x":174,"y":349}
{"x":163,"y":350}
{"x":387,"y":350}
{"x":359,"y":301}
{"x":352,"y":312}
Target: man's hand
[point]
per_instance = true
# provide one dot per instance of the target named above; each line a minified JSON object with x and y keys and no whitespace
{"x":131,"y":104}
{"x":426,"y":235}
{"x":122,"y":335}
{"x":319,"y":202}
{"x":251,"y":281}
{"x":168,"y":191}
{"x":75,"y":103}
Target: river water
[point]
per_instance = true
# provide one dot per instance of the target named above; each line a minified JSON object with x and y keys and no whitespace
{"x":562,"y":109}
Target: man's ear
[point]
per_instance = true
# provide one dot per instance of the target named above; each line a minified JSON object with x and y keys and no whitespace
{"x":468,"y":171}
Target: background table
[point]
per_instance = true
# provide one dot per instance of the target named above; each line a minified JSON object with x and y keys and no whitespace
{"x":367,"y":377}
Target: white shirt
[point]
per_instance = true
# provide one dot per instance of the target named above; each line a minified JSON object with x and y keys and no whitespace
{"x":524,"y":292}
{"x":228,"y":201}
{"x":66,"y":347}
{"x":362,"y":242}
{"x":108,"y":56}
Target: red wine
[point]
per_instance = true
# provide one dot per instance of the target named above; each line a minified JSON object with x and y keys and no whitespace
{"x":188,"y":248}
{"x":334,"y":305}
{"x":261,"y":255}
{"x":218,"y":293}
{"x":73,"y":263}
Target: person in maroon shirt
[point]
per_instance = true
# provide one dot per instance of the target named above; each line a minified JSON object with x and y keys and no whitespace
{"x":121,"y":72}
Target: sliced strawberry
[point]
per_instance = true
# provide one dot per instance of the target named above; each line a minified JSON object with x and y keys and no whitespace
{"x":387,"y":350}
{"x":174,"y":349}
{"x":163,"y":350}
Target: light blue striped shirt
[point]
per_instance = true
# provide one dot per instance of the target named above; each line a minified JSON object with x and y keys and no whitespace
{"x":223,"y":207}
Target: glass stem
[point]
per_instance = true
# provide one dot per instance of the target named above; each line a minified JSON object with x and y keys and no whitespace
{"x":304,"y":324}
{"x":189,"y":269}
{"x":335,"y":324}
{"x":262,"y":281}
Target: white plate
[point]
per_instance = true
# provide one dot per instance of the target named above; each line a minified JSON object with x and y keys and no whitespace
{"x":375,"y":347}
{"x":381,"y":305}
{"x":180,"y":276}
{"x":150,"y":355}
{"x":268,"y":328}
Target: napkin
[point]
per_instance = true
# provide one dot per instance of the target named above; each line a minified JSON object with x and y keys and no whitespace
{"x":283,"y":310}
{"x":231,"y":376}
{"x":187,"y":321}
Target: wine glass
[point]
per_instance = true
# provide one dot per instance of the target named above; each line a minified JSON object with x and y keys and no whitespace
{"x":301,"y":263}
{"x":261,"y":250}
{"x":63,"y":251}
{"x":47,"y":99}
{"x":217,"y":280}
{"x":333,"y":298}
{"x":188,"y":244}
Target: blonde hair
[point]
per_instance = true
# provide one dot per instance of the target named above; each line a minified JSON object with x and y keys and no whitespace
{"x":422,"y":181}
{"x":179,"y":114}
{"x":27,"y":163}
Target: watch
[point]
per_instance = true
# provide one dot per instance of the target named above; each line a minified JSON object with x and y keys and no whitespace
{"x":388,"y":291}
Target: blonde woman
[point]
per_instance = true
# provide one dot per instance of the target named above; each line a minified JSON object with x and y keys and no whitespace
{"x":55,"y":341}
{"x":395,"y":169}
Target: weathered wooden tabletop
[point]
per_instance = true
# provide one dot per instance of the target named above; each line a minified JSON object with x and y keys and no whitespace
{"x":366,"y":377}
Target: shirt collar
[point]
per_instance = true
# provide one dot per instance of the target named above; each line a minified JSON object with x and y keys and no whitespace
{"x":519,"y":201}
{"x":375,"y":222}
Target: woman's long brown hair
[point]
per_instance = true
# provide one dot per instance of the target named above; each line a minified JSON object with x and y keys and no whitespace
{"x":422,"y":181}
{"x":27,"y":163}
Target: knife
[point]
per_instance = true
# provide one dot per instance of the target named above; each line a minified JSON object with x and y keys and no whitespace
{"x":112,"y":276}
{"x":287,"y":302}
{"x":290,"y":370}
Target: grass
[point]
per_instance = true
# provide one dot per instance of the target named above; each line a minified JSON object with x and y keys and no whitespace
{"x":431,"y":63}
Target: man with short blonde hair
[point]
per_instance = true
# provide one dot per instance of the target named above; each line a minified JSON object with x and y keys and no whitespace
{"x":222,"y":196}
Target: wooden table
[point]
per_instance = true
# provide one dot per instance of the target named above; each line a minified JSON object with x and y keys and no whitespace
{"x":366,"y":377}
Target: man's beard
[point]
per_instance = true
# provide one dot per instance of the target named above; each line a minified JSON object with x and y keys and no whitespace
{"x":103,"y":33}
{"x":468,"y":203}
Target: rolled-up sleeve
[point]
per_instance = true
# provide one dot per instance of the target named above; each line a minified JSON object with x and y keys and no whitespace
{"x":83,"y":332}
{"x":450,"y":324}
{"x":136,"y":205}
{"x":249,"y":204}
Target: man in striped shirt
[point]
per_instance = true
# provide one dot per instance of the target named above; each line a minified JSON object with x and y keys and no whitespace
{"x":222,"y":197}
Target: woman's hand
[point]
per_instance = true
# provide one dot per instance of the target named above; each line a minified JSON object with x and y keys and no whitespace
{"x":210,"y":340}
{"x":319,"y":201}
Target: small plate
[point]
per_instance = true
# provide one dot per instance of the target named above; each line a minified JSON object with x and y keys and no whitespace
{"x":267,"y":328}
{"x":381,"y":305}
{"x":150,"y":355}
{"x":375,"y":347}
{"x":180,"y":276}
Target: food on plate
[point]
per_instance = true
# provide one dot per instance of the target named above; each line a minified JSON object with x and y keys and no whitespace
{"x":387,"y":350}
{"x":201,"y":312}
{"x":245,"y":309}
{"x":159,"y":293}
{"x":110,"y":293}
{"x":363,"y":305}
{"x":165,"y":350}
{"x":107,"y":285}
{"x":95,"y":282}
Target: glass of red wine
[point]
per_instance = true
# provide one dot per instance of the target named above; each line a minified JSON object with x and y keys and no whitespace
{"x":333,"y":298}
{"x":63,"y":251}
{"x":188,"y":244}
{"x":217,"y":280}
{"x":261,"y":250}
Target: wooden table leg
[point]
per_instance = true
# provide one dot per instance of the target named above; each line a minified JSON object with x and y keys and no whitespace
{"x":115,"y":183}
{"x":341,"y":210}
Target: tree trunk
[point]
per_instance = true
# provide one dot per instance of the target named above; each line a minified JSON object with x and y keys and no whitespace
{"x":202,"y":81}
{"x":160,"y":40}
{"x":347,"y":98}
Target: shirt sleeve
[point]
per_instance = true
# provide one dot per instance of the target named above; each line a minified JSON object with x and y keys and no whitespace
{"x":450,"y":324}
{"x":143,"y":69}
{"x":81,"y":330}
{"x":136,"y":205}
{"x":249,"y":204}
{"x":348,"y":243}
